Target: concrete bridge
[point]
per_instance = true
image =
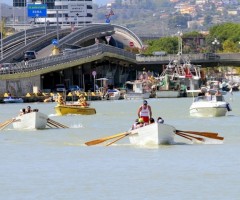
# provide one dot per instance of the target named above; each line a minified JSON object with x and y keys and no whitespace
{"x":108,"y":59}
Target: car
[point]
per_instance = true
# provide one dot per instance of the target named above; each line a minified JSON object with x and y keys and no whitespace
{"x":211,"y":56}
{"x":60,"y":88}
{"x":30,"y":55}
{"x":73,"y":88}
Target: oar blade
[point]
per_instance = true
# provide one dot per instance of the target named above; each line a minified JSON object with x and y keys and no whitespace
{"x":199,"y":133}
{"x":101,"y":140}
{"x":190,"y":136}
{"x":203,"y":134}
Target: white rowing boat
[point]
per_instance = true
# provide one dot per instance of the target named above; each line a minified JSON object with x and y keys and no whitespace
{"x":153,"y":134}
{"x":32,"y":120}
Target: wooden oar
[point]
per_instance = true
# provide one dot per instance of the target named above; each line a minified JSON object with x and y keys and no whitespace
{"x":2,"y":124}
{"x":118,"y":139}
{"x":56,"y":124}
{"x":203,"y":134}
{"x":7,"y":123}
{"x":179,"y":134}
{"x":100,"y":140}
{"x":53,"y":124}
{"x":189,"y":136}
{"x":199,"y":133}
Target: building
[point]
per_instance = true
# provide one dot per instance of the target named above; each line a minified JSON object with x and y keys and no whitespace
{"x":76,"y":12}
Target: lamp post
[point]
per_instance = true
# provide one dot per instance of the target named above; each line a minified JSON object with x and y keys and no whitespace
{"x":25,"y":31}
{"x":57,"y":26}
{"x":179,"y":43}
{"x":84,"y":19}
{"x":1,"y":31}
{"x":215,"y":43}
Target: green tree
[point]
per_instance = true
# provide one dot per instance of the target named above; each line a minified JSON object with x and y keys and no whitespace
{"x":230,"y":47}
{"x":167,"y":44}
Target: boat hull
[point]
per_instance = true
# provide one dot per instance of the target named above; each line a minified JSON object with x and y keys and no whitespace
{"x":133,"y":95}
{"x":153,"y":134}
{"x":74,"y":109}
{"x":13,"y":100}
{"x":208,"y":109}
{"x":167,"y":94}
{"x":33,"y":120}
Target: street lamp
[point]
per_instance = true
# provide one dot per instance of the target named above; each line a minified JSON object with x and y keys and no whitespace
{"x":215,"y":43}
{"x":25,"y":31}
{"x":180,"y":43}
{"x":1,"y":31}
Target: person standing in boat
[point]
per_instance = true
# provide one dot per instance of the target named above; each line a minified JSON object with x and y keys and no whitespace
{"x":145,"y":112}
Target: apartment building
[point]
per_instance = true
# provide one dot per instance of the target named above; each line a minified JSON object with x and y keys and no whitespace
{"x":76,"y":12}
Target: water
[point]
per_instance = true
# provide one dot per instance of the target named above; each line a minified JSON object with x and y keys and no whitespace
{"x":55,"y":163}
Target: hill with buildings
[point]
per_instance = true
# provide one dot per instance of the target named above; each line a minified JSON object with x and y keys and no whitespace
{"x":166,"y":17}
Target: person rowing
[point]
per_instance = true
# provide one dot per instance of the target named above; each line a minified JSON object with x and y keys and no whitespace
{"x":145,"y":112}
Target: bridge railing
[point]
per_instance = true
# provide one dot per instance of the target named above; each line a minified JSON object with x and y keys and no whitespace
{"x":33,"y":45}
{"x":51,"y":61}
{"x":191,"y":57}
{"x":84,"y":33}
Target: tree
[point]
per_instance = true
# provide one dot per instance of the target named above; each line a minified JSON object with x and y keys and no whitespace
{"x":167,"y":44}
{"x":230,"y":47}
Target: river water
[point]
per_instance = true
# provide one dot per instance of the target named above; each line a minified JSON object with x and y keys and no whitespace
{"x":55,"y":163}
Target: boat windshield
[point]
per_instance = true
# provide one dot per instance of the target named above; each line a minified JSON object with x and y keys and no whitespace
{"x":209,"y":98}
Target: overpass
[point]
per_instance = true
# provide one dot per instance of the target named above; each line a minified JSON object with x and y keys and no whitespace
{"x":39,"y":38}
{"x":108,"y":61}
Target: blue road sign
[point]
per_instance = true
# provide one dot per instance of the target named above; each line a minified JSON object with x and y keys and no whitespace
{"x":37,"y":10}
{"x":108,"y":21}
{"x":55,"y":42}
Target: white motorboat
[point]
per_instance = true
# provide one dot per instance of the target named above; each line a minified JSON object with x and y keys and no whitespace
{"x":112,"y":94}
{"x":153,"y":134}
{"x":12,"y":100}
{"x":139,"y":90}
{"x":209,"y":106}
{"x":32,"y":120}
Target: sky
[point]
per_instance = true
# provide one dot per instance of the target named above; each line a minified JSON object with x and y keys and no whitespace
{"x":99,"y":2}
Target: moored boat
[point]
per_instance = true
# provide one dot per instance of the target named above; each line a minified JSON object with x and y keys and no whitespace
{"x":32,"y":120}
{"x":209,"y":106}
{"x":167,"y":93}
{"x":137,"y":90}
{"x":153,"y":134}
{"x":112,"y":94}
{"x":13,"y":100}
{"x":74,"y":109}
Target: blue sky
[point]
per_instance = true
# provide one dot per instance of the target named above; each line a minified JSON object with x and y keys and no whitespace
{"x":99,"y":2}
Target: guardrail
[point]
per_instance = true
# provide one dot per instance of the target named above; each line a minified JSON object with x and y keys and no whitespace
{"x":190,"y":57}
{"x":85,"y":33}
{"x":51,"y":61}
{"x":128,"y":32}
{"x":33,"y":45}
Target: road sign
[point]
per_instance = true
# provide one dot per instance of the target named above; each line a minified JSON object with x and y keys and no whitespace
{"x":37,"y":10}
{"x":94,"y":73}
{"x":108,"y":38}
{"x":55,"y":42}
{"x":107,"y":20}
{"x":131,"y":44}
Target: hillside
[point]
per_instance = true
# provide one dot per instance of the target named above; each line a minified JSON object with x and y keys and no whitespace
{"x":162,"y":17}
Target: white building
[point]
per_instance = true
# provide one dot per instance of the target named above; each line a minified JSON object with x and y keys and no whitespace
{"x":76,"y":12}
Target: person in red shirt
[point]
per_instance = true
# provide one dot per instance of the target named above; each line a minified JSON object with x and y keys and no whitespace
{"x":145,"y":112}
